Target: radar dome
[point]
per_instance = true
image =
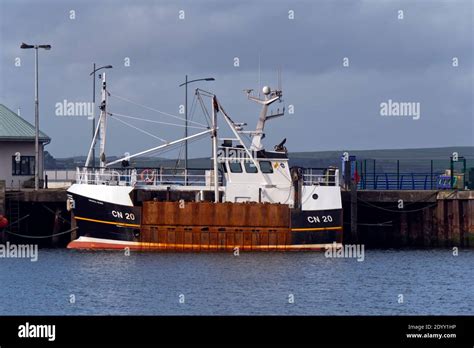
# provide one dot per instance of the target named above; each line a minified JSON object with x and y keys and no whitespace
{"x":266,"y":90}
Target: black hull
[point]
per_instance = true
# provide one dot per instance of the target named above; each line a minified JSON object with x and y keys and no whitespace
{"x":104,"y":220}
{"x":104,"y":225}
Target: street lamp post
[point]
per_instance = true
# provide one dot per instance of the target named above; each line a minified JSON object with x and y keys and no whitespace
{"x":93,"y":108}
{"x":186,"y":82}
{"x":46,"y":47}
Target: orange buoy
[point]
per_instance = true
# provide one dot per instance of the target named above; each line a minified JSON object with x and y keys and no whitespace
{"x":3,"y":221}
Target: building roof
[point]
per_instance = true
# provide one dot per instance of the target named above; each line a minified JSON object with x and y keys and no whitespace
{"x":15,"y":128}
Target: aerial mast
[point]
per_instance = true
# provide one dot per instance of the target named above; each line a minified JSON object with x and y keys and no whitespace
{"x":270,"y":96}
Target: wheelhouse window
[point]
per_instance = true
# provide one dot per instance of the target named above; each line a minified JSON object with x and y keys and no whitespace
{"x":26,"y":165}
{"x":235,"y":167}
{"x":266,"y":167}
{"x":250,"y":167}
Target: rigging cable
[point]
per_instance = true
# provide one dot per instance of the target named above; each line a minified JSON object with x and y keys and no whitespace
{"x":178,"y":159}
{"x":152,"y":109}
{"x":138,"y":129}
{"x":204,"y":109}
{"x":175,"y":146}
{"x":153,"y":121}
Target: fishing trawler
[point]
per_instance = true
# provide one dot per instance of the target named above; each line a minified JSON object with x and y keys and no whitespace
{"x":249,"y":199}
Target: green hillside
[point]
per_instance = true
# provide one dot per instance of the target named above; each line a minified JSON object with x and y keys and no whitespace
{"x":410,"y":160}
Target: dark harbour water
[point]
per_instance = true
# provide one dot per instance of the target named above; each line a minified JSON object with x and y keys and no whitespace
{"x":110,"y":283}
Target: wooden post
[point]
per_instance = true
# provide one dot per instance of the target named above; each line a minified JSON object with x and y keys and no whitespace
{"x":395,"y":232}
{"x":416,"y":232}
{"x":456,"y":230}
{"x":464,"y":225}
{"x":440,"y":217}
{"x":449,"y":227}
{"x":470,"y":221}
{"x":74,"y":227}
{"x":427,"y":226}
{"x":434,"y":226}
{"x":403,"y":228}
{"x":56,"y":228}
{"x":354,"y":236}
{"x":347,"y":175}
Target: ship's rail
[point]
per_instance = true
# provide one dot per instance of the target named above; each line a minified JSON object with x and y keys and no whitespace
{"x":146,"y":176}
{"x":321,"y":176}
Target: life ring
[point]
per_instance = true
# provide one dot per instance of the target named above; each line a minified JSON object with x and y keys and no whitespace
{"x":148,"y":176}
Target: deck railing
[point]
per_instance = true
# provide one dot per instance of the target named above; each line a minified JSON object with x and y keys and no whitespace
{"x":321,"y":176}
{"x":145,"y":176}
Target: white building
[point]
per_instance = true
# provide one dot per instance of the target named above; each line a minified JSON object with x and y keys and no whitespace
{"x":17,"y":150}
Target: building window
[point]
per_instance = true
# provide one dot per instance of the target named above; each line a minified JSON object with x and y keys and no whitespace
{"x":250,"y":167}
{"x":26,"y":165}
{"x":235,"y":167}
{"x":266,"y":167}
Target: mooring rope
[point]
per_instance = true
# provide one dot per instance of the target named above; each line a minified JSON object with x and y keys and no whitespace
{"x":54,"y":213}
{"x":382,"y":224}
{"x":20,"y":219}
{"x":39,"y":237}
{"x":402,"y":210}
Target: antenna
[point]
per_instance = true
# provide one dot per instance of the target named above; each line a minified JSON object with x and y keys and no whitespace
{"x":279,"y":78}
{"x":259,"y":75}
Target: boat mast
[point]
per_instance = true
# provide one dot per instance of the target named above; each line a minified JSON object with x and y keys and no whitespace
{"x":94,"y":139}
{"x":100,"y":129}
{"x":103,"y":122}
{"x":215,"y":108}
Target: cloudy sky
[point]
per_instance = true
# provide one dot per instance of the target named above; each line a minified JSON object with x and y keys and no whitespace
{"x":426,"y":57}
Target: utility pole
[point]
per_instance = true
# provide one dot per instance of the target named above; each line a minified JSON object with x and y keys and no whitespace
{"x":46,"y":47}
{"x":185,"y":84}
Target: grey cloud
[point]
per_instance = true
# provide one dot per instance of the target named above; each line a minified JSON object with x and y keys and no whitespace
{"x":336,"y":107}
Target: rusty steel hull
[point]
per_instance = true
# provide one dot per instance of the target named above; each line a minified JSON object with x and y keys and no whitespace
{"x":205,"y":226}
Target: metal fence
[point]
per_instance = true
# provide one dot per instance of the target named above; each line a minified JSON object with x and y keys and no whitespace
{"x":416,"y":174}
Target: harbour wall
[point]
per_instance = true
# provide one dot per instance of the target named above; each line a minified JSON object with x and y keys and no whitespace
{"x":398,"y":219}
{"x":382,"y":219}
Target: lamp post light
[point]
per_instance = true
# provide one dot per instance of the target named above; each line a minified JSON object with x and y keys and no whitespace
{"x":46,"y":47}
{"x":186,"y":82}
{"x":93,"y":103}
